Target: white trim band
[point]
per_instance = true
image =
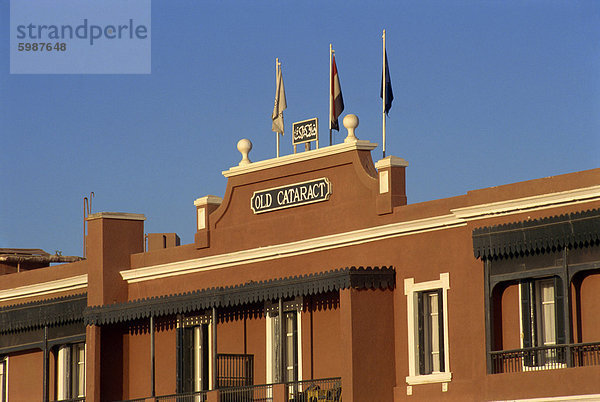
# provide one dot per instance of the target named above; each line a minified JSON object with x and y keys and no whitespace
{"x":458,"y":217}
{"x":429,"y":378}
{"x":360,"y":145}
{"x":44,"y":288}
{"x":290,"y":249}
{"x":517,"y":205}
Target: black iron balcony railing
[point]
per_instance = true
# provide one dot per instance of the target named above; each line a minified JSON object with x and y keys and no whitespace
{"x":234,"y":370}
{"x":254,"y":393}
{"x":321,"y":390}
{"x":585,"y":354}
{"x":78,"y":399}
{"x":186,"y":397}
{"x":545,"y":358}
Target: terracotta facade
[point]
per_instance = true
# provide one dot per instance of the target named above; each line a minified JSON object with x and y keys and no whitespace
{"x":387,"y":300}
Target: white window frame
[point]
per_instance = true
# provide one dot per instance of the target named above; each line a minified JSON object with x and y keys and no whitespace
{"x":4,"y":362}
{"x":64,"y":375}
{"x":410,"y":290}
{"x":198,"y":357}
{"x":195,"y":322}
{"x":295,"y":304}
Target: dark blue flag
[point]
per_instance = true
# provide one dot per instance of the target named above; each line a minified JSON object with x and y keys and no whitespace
{"x":389,"y":94}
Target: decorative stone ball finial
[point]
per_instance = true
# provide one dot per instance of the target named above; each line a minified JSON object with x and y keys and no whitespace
{"x":350,"y":122}
{"x":244,"y":146}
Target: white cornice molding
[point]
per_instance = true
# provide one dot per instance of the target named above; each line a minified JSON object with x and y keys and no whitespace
{"x":391,"y":161}
{"x":514,"y":206}
{"x":116,"y":215}
{"x":359,"y":145}
{"x":209,"y":199}
{"x":458,"y":217}
{"x":44,"y":288}
{"x":290,"y":249}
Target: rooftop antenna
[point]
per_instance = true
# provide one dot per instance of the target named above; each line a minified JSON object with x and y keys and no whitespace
{"x":87,"y":210}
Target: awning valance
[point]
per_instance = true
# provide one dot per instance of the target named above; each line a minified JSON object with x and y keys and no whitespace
{"x":574,"y":229}
{"x":44,"y":312}
{"x":251,"y":292}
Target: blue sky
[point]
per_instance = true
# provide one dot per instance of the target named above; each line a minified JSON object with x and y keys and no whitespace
{"x":486,"y":93}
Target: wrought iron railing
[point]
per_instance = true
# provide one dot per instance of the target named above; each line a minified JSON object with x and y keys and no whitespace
{"x":78,"y":399}
{"x":254,"y":393}
{"x":321,"y":390}
{"x":585,"y":354}
{"x":186,"y":397}
{"x":545,"y":358}
{"x":235,"y":370}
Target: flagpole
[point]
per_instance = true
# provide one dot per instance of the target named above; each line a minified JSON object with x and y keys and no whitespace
{"x":276,"y":77}
{"x":384,"y":84}
{"x":330,"y":93}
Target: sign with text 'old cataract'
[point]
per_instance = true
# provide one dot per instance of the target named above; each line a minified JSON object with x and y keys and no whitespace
{"x":291,"y":195}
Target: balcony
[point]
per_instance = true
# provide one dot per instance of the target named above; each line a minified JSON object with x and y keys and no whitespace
{"x":78,"y":399}
{"x":322,"y":390}
{"x":187,"y":397}
{"x":545,"y":358}
{"x":255,"y":393}
{"x":235,"y":370}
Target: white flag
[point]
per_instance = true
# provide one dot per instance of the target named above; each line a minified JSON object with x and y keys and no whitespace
{"x":280,"y":103}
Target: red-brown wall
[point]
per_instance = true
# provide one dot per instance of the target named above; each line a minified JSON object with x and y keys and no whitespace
{"x":165,"y":339}
{"x":590,"y":308}
{"x":321,"y":343}
{"x":137,"y":356}
{"x":511,"y":328}
{"x":25,"y":379}
{"x":367,"y":328}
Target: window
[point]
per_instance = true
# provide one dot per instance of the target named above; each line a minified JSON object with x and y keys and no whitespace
{"x":541,"y":321}
{"x":291,"y":351}
{"x":427,"y":330}
{"x":70,"y":374}
{"x":430,"y":332}
{"x":3,"y":379}
{"x":196,"y":356}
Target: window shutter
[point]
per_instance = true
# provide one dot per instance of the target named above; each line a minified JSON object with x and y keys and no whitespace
{"x":559,"y":300}
{"x":205,"y":357}
{"x":73,"y":373}
{"x":3,"y":375}
{"x":188,"y":359}
{"x":68,"y":375}
{"x":560,"y":322}
{"x":276,"y":340}
{"x":179,"y":364}
{"x":421,"y":332}
{"x":526,"y":302}
{"x":526,"y":313}
{"x":441,"y":328}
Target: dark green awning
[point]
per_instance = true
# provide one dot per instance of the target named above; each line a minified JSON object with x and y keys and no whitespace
{"x":251,"y":292}
{"x":37,"y":314}
{"x":574,"y":229}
